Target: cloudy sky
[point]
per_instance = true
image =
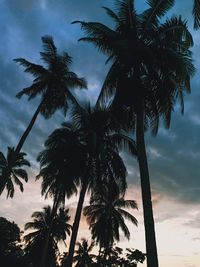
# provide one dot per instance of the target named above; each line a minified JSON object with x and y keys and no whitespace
{"x":174,"y":155}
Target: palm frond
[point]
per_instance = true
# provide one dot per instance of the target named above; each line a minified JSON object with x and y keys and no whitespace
{"x":21,"y":173}
{"x":18,"y":182}
{"x":3,"y":160}
{"x":109,"y":86}
{"x":112,"y":15}
{"x":124,"y":143}
{"x":123,"y":226}
{"x":102,"y":35}
{"x":126,"y":13}
{"x":176,"y":29}
{"x":128,"y":216}
{"x":196,"y":14}
{"x":49,"y":55}
{"x":158,"y":9}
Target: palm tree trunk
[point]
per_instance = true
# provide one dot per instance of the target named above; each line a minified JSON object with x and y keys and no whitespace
{"x":46,"y":245}
{"x":76,"y":224}
{"x":105,"y":255}
{"x":28,"y":129}
{"x":100,"y":248}
{"x":151,"y":249}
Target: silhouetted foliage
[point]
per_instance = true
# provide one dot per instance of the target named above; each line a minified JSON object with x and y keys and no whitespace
{"x":10,"y":250}
{"x":11,"y":171}
{"x":196,"y":14}
{"x":151,"y":67}
{"x":53,"y":82}
{"x":134,"y":256}
{"x":83,"y":255}
{"x":84,"y":152}
{"x":35,"y":241}
{"x":106,"y":215}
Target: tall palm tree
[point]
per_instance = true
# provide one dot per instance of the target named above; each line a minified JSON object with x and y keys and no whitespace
{"x":84,"y":152}
{"x":83,"y":256}
{"x":150,"y":70}
{"x":62,"y":163}
{"x":106,"y":214}
{"x":41,"y":222}
{"x":11,"y":171}
{"x":103,"y":163}
{"x":52,"y":82}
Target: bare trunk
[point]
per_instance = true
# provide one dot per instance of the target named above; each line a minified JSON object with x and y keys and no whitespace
{"x":28,"y":129}
{"x":46,"y":245}
{"x":151,"y":249}
{"x":76,"y":224}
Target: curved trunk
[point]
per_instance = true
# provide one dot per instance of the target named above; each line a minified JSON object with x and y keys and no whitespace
{"x":76,"y":224}
{"x":151,"y":249}
{"x":28,"y":129}
{"x":46,"y":245}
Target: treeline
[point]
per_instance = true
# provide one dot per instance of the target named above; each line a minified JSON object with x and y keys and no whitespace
{"x":22,"y":249}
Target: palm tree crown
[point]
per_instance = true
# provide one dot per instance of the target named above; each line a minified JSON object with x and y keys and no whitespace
{"x":62,"y":163}
{"x":151,"y":61}
{"x":106,"y":214}
{"x":53,"y":82}
{"x":11,"y":170}
{"x":42,"y":221}
{"x":83,"y":255}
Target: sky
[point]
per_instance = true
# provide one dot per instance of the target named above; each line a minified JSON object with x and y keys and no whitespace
{"x":174,"y":155}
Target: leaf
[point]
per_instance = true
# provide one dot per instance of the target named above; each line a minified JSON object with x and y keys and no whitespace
{"x":196,"y":14}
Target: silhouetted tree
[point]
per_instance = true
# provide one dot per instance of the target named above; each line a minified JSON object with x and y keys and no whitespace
{"x":52,"y":82}
{"x":62,"y":163}
{"x":103,"y":162}
{"x":35,"y":241}
{"x":83,"y":152}
{"x":10,"y":250}
{"x":150,"y":71}
{"x":83,"y":256}
{"x":11,"y":171}
{"x":106,"y":214}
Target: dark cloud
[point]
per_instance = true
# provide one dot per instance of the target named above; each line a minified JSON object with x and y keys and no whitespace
{"x":173,"y":155}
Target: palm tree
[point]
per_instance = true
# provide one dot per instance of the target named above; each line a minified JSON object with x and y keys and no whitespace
{"x":103,"y":162}
{"x":82,"y":153}
{"x":83,"y":257}
{"x":106,"y":214}
{"x":53,"y":83}
{"x":42,"y":221}
{"x":11,"y":171}
{"x":150,"y":70}
{"x":62,"y":162}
